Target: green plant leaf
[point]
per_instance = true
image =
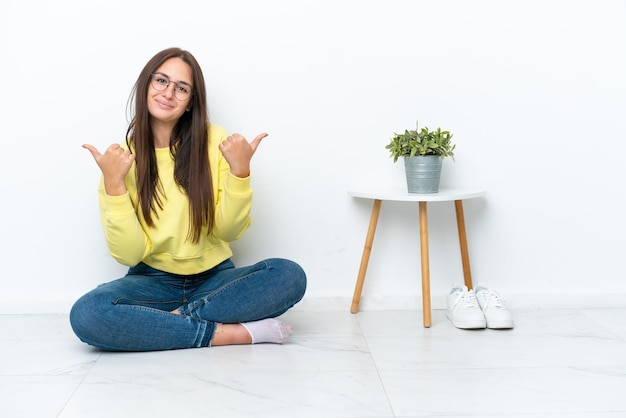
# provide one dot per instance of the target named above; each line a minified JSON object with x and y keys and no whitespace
{"x":421,"y":141}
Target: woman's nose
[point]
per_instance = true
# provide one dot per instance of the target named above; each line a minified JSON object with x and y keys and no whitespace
{"x":169,"y":90}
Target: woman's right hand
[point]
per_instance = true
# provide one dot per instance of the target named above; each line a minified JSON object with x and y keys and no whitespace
{"x":114,"y":164}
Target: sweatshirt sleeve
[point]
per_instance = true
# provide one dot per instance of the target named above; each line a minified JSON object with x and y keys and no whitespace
{"x":125,"y":238}
{"x":233,"y":199}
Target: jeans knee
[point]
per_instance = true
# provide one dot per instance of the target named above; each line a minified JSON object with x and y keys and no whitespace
{"x":295,"y":277}
{"x":85,"y":316}
{"x":79,"y":317}
{"x":300,"y":280}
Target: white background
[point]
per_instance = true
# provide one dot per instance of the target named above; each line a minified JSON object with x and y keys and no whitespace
{"x":533,"y":91}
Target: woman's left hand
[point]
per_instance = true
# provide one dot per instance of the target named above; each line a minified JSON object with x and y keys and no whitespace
{"x":238,"y":153}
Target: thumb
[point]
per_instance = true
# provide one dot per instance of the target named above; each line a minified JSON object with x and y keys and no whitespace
{"x":256,"y":141}
{"x":94,"y":152}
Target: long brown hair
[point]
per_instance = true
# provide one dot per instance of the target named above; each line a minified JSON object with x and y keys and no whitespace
{"x":188,"y":146}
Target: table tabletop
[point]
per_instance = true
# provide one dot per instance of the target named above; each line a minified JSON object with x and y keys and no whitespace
{"x":400,"y":194}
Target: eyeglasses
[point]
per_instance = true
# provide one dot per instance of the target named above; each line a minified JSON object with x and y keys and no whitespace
{"x":160,"y":82}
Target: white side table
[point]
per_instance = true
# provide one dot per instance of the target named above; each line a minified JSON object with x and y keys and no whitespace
{"x":444,"y":195}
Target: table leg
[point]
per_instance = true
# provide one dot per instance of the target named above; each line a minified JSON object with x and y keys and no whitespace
{"x":460,"y":223}
{"x":365,"y":258}
{"x":423,"y":214}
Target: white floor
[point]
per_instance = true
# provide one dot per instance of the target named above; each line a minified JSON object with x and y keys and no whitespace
{"x":383,"y":364}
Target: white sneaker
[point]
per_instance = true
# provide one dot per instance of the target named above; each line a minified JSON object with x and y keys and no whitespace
{"x":463,"y":310}
{"x":497,"y":315}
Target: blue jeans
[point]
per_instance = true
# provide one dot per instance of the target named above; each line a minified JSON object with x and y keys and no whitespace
{"x":134,"y":313}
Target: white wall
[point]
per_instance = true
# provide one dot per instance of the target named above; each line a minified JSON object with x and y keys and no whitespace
{"x":534,"y":92}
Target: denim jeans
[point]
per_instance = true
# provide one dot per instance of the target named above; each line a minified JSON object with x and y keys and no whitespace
{"x":134,"y":313}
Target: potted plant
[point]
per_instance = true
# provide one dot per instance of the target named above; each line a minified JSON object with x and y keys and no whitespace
{"x":423,"y":152}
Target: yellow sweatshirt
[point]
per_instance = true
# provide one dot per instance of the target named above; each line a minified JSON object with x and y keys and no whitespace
{"x":165,"y":246}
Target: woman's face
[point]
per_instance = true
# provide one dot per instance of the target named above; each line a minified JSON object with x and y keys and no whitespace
{"x":170,"y":91}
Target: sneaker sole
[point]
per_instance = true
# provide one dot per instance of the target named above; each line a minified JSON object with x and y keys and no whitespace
{"x":477,"y":324}
{"x":499,"y":324}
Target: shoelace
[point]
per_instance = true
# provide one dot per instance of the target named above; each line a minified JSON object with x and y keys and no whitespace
{"x":494,"y":300}
{"x":469,"y":299}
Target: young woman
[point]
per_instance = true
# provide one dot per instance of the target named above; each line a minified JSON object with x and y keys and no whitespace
{"x":172,"y":197}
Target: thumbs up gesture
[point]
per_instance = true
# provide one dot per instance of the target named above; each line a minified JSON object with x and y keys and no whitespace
{"x":238,"y":152}
{"x":114,"y":164}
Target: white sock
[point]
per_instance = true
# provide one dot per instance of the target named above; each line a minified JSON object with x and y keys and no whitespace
{"x":268,"y":331}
